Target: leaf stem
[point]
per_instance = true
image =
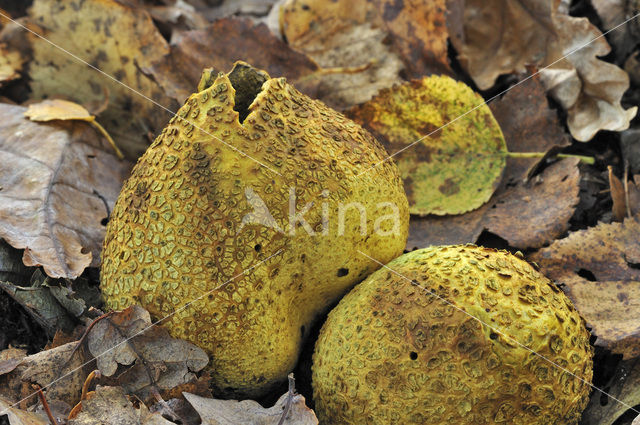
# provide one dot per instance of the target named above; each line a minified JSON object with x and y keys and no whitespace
{"x":101,"y":129}
{"x":583,"y":158}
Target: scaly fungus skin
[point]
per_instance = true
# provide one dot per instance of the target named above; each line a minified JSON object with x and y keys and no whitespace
{"x":392,"y":353}
{"x":184,"y":227}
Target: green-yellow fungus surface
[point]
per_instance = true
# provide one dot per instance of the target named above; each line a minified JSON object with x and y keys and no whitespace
{"x":394,"y":352}
{"x":212,"y":222}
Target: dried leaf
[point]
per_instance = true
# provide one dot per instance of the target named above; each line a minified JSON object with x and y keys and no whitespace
{"x":249,"y":412}
{"x":598,"y":266}
{"x":117,"y":39}
{"x":588,"y":88}
{"x":54,"y":369}
{"x":20,"y":417}
{"x":501,"y":37}
{"x":57,"y":109}
{"x":110,"y":405}
{"x":613,"y":13}
{"x":404,"y":114}
{"x":547,"y":202}
{"x":416,"y":30}
{"x":360,"y":48}
{"x":619,"y":208}
{"x":40,"y":303}
{"x":544,"y":206}
{"x":57,"y":184}
{"x":179,"y":72}
{"x":10,"y":64}
{"x":624,"y":386}
{"x":178,"y":16}
{"x":128,"y":339}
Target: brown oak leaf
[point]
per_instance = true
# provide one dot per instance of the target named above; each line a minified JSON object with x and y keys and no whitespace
{"x":57,"y":184}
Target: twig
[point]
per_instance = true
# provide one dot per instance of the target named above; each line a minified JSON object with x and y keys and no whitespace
{"x":290,"y":395}
{"x":85,"y":391}
{"x":45,"y":405}
{"x":626,"y":187}
{"x":83,"y":337}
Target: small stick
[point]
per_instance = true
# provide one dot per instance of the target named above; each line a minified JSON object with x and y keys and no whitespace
{"x":626,"y":187}
{"x":83,"y":337}
{"x":292,"y":392}
{"x":583,"y":158}
{"x":45,"y":405}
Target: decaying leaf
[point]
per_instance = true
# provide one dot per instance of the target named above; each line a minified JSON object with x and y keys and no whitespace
{"x":110,"y":405}
{"x":382,"y":37}
{"x":10,"y":64}
{"x":20,"y":417}
{"x":361,"y":49}
{"x":619,"y":208}
{"x":55,"y":370}
{"x":179,"y":72}
{"x":152,"y":357}
{"x":118,"y":40}
{"x":598,"y":267}
{"x":249,"y":412}
{"x":624,"y":386}
{"x":416,"y":30}
{"x":545,"y":204}
{"x":57,"y":183}
{"x":501,"y":36}
{"x":451,"y":170}
{"x":40,"y":303}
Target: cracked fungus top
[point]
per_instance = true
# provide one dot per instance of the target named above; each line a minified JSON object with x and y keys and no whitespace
{"x":208,"y":206}
{"x":393,"y":351}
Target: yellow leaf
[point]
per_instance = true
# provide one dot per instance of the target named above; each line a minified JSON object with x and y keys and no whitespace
{"x":57,"y":109}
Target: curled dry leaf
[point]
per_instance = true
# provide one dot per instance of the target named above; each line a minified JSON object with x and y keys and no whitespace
{"x":501,"y":36}
{"x":249,"y":412}
{"x":454,"y":131}
{"x":624,"y":385}
{"x":127,"y":338}
{"x":57,"y":183}
{"x":179,"y":72}
{"x":598,"y":267}
{"x":528,"y":126}
{"x":118,"y":40}
{"x":588,"y":88}
{"x":20,"y":417}
{"x":110,"y":405}
{"x":497,"y":37}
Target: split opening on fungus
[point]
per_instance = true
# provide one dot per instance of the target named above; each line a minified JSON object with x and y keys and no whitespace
{"x":247,"y":81}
